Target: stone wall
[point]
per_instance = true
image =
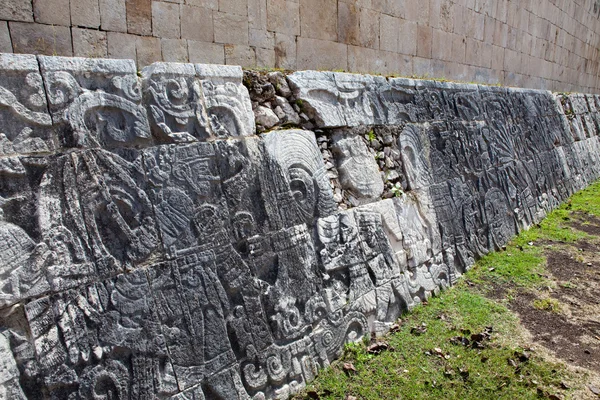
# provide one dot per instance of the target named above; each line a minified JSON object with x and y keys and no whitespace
{"x":153,"y":245}
{"x":542,"y":44}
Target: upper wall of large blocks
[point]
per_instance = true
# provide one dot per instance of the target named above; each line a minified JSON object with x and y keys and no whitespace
{"x":547,"y":44}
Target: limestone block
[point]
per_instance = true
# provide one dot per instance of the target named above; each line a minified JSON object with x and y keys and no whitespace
{"x":283,"y":16}
{"x":40,"y":39}
{"x":237,"y":7}
{"x":9,"y":388}
{"x":285,"y":51}
{"x":257,"y":14}
{"x":173,"y":96}
{"x":348,"y":23}
{"x":336,"y":99}
{"x":320,"y":54}
{"x":206,"y":53}
{"x":52,"y":12}
{"x":16,"y":10}
{"x":139,"y":17}
{"x":174,"y":50}
{"x":165,"y":20}
{"x":113,"y":15}
{"x":5,"y":42}
{"x":359,"y":173}
{"x":424,"y":41}
{"x":85,"y":13}
{"x":197,"y":24}
{"x":369,"y":28}
{"x":318,"y":19}
{"x":103,"y":105}
{"x":121,"y":45}
{"x":148,"y":50}
{"x":241,"y":55}
{"x":389,"y":34}
{"x":265,"y":58}
{"x":265,"y":117}
{"x":89,"y":43}
{"x":227,"y":100}
{"x":210,"y":4}
{"x":231,"y":28}
{"x":262,"y":39}
{"x":408,"y":37}
{"x":28,"y":126}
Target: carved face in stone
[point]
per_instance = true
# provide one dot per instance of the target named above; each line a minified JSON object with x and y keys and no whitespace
{"x":358,"y":169}
{"x":299,"y":158}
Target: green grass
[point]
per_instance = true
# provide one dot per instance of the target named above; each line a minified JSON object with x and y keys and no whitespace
{"x":412,"y":369}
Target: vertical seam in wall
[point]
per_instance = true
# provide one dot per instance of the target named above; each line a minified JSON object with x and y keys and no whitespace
{"x":12,"y":47}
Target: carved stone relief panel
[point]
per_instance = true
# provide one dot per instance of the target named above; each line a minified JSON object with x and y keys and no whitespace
{"x":227,"y":100}
{"x":26,"y":123}
{"x":95,"y":102}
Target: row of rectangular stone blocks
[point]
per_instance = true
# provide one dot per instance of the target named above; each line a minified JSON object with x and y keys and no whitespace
{"x":551,"y":44}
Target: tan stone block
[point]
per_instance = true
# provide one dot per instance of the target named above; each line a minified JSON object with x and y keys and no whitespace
{"x":237,"y":7}
{"x":348,"y":23}
{"x":262,"y":39}
{"x":52,"y":12}
{"x":265,"y":58}
{"x":285,"y":51}
{"x":486,"y":55}
{"x":85,"y":13}
{"x":210,"y":4}
{"x":369,"y":28}
{"x":424,"y":37}
{"x":394,"y":8}
{"x":473,"y":51}
{"x":389,"y":33}
{"x":40,"y":39}
{"x":318,"y":19}
{"x":407,"y":43}
{"x":434,"y":13}
{"x":139,"y":17}
{"x":502,"y":10}
{"x":441,"y":45}
{"x":447,"y":16}
{"x":165,"y":20}
{"x":121,"y":45}
{"x":283,"y":16}
{"x":148,"y":50}
{"x":16,"y":10}
{"x":477,"y":26}
{"x":206,"y":53}
{"x":321,"y":54}
{"x":458,"y":49}
{"x":113,"y":15}
{"x":230,"y":28}
{"x":257,"y":14}
{"x":5,"y":43}
{"x":512,"y":60}
{"x":460,"y":22}
{"x":89,"y":43}
{"x":174,"y":50}
{"x":197,"y":23}
{"x":489,"y":27}
{"x":422,"y":67}
{"x":244,"y":56}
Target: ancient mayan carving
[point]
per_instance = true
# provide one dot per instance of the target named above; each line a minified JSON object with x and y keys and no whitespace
{"x":152,"y":246}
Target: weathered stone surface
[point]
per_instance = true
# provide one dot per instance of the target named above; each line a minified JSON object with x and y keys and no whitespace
{"x":113,"y":15}
{"x":16,"y":10}
{"x":231,"y":29}
{"x":148,"y":50}
{"x":174,"y":50}
{"x":5,"y":42}
{"x":89,"y":43}
{"x":197,"y":24}
{"x":85,"y":13}
{"x":40,"y":39}
{"x":152,"y":246}
{"x":52,"y":12}
{"x":139,"y":16}
{"x":165,"y":20}
{"x":206,"y":53}
{"x":121,"y":45}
